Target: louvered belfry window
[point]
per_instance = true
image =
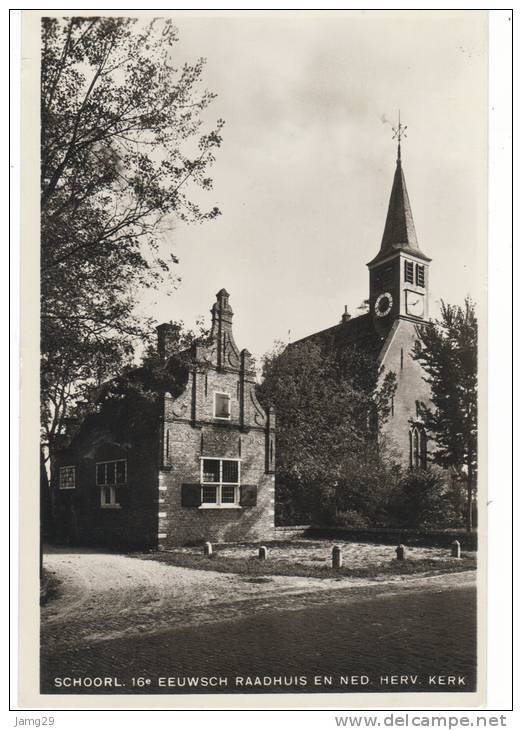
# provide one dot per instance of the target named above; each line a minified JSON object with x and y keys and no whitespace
{"x":420,"y":275}
{"x":408,"y":272}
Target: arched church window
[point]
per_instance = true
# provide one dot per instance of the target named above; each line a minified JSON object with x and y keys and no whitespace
{"x":423,"y":449}
{"x":418,"y":448}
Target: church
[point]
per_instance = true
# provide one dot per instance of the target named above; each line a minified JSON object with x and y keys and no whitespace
{"x":398,"y":305}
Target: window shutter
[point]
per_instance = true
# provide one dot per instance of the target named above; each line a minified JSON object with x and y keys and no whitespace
{"x":190,"y":495}
{"x":248,"y":495}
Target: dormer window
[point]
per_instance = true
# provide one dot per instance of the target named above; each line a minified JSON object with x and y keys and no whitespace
{"x":408,"y":272}
{"x":419,"y":275}
{"x":222,"y":405}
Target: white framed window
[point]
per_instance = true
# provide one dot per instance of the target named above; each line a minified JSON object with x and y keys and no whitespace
{"x":110,"y":475}
{"x":109,"y":497}
{"x":222,"y":406}
{"x":220,"y":482}
{"x":419,"y":275}
{"x":67,"y":477}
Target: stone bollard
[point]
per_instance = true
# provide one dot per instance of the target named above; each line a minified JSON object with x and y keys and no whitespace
{"x":337,"y":557}
{"x":207,"y":549}
{"x":400,"y":551}
{"x":455,"y":549}
{"x":263,"y":553}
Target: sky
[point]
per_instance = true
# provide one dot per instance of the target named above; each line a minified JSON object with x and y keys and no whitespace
{"x":305,"y":170}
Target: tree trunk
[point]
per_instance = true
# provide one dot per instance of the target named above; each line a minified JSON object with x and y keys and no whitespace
{"x":45,"y":507}
{"x":469,"y":510}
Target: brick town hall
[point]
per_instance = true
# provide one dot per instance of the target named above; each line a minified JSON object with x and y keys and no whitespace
{"x":204,"y":470}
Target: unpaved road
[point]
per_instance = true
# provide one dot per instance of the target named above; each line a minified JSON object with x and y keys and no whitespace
{"x":106,"y":596}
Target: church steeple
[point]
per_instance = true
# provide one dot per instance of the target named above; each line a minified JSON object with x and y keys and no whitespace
{"x":399,"y":230}
{"x":399,"y":272}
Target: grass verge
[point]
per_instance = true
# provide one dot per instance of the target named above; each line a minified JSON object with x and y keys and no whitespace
{"x":254,"y":567}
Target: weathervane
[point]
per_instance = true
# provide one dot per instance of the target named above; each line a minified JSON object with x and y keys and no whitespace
{"x":398,"y":132}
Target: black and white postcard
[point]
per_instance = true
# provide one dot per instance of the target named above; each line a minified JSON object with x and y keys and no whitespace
{"x":255,"y":251}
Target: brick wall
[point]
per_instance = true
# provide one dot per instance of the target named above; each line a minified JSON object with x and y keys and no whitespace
{"x":79,"y":517}
{"x":186,"y":441}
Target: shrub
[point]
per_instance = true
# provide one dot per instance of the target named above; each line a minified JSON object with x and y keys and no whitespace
{"x":424,"y":500}
{"x":350,"y":518}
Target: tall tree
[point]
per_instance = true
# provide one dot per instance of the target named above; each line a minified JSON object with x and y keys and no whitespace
{"x":124,"y":154}
{"x":447,"y":350}
{"x":327,"y":405}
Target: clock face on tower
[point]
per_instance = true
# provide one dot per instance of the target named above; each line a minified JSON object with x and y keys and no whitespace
{"x":414,"y":303}
{"x":383,"y":304}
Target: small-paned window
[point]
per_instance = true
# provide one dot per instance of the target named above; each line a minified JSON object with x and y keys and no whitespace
{"x":408,"y":272}
{"x":221,"y":405}
{"x":111,"y":472}
{"x":220,"y":479}
{"x":419,"y":275}
{"x":67,"y":477}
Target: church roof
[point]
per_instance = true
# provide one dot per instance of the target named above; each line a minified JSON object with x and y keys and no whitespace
{"x":399,"y":230}
{"x":358,"y":331}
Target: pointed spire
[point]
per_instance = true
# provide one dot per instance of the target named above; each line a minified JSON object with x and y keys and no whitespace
{"x":399,"y":230}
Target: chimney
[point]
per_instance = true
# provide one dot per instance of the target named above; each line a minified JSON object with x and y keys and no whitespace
{"x":346,"y":317}
{"x":168,"y":339}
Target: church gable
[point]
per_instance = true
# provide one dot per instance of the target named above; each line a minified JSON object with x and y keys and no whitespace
{"x":411,"y":388}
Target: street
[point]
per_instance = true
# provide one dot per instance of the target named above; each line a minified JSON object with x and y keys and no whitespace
{"x":413,"y":635}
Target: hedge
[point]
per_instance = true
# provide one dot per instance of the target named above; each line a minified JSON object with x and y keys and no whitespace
{"x":394,"y":536}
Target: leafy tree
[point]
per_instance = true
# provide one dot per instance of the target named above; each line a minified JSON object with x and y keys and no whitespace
{"x":123,"y":156}
{"x":447,"y":350}
{"x":423,"y":500}
{"x":128,"y":403}
{"x":327,"y":406}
